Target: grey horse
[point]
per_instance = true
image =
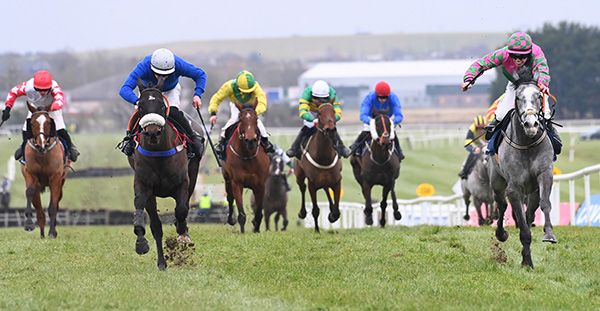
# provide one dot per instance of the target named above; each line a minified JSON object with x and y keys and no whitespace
{"x":477,"y":186}
{"x":522,"y":169}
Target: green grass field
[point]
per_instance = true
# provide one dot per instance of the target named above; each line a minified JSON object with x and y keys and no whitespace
{"x":437,"y":164}
{"x":89,"y":268}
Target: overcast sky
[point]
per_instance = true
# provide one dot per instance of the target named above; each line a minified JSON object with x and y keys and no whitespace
{"x":82,"y":25}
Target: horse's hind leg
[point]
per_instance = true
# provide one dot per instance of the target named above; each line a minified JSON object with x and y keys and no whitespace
{"x":516,"y":199}
{"x":285,"y":219}
{"x":478,"y":204}
{"x":545,"y":186}
{"x":268,"y":220}
{"x":383,"y":204}
{"x":397,"y":214}
{"x":533,"y":202}
{"x":157,"y":232}
{"x":140,"y":200}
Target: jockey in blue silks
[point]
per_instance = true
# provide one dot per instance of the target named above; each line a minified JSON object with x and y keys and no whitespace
{"x":168,"y":67}
{"x":378,"y":101}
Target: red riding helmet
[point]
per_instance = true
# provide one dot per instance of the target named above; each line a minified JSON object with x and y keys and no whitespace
{"x":382,"y":89}
{"x":42,"y":80}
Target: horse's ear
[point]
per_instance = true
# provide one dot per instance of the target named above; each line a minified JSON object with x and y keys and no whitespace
{"x":31,"y":107}
{"x":140,"y":84}
{"x":161,"y":82}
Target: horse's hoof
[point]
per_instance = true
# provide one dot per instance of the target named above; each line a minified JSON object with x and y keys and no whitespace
{"x":481,"y":222}
{"x":141,"y":246}
{"x":29,"y":225}
{"x":184,"y":239}
{"x":549,"y":238}
{"x":502,"y":236}
{"x":162,"y":265}
{"x":231,"y":221}
{"x":333,"y":217}
{"x":527,"y":264}
{"x":382,"y":224}
{"x":467,"y":217}
{"x":52,"y":235}
{"x":369,"y":220}
{"x":302,"y":214}
{"x":488,"y":222}
{"x":397,"y":215}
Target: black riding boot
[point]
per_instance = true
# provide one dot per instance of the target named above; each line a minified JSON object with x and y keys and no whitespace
{"x":554,"y":139}
{"x":339,"y":145}
{"x":127,"y":145}
{"x":357,"y":145}
{"x":468,"y":167}
{"x":267,"y":144}
{"x":20,"y":152}
{"x":73,"y":152}
{"x":197,"y":147}
{"x":398,"y":148}
{"x":491,"y":128}
{"x":220,"y":148}
{"x":294,"y":150}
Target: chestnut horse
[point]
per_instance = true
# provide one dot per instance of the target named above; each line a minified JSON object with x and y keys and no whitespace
{"x":380,"y":165}
{"x":246,"y":166}
{"x":44,"y":167}
{"x":321,"y":164}
{"x":161,"y":169}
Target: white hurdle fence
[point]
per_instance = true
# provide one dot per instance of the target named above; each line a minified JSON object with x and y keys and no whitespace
{"x":448,"y":210}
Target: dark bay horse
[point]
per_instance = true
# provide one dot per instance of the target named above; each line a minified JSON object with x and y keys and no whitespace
{"x":321,"y":165}
{"x":380,"y":165}
{"x":276,"y":193}
{"x":44,"y":167}
{"x":523,"y":167}
{"x":162,"y":169}
{"x":246,"y":166}
{"x":477,"y":187}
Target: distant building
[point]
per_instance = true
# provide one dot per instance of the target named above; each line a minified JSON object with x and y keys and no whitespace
{"x":421,"y":83}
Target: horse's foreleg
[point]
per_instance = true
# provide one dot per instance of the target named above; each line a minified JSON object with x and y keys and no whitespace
{"x":467,"y":199}
{"x":545,"y":186}
{"x":397,"y":214}
{"x":239,"y":202}
{"x":140,"y":200}
{"x":501,"y":233}
{"x":56,"y":183}
{"x":229,"y":192}
{"x":366,"y":191}
{"x":383,"y":204}
{"x":30,"y":191}
{"x":268,"y":220}
{"x":334,"y":212}
{"x":285,"y":218}
{"x":157,"y":232}
{"x":315,"y":210}
{"x":258,"y":212}
{"x":181,"y":212}
{"x":36,"y":201}
{"x":300,"y":180}
{"x":516,"y":199}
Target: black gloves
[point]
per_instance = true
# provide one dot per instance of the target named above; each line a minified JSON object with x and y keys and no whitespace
{"x":6,"y":114}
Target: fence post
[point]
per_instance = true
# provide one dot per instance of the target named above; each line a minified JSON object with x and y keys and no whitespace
{"x":586,"y":185}
{"x":572,"y":201}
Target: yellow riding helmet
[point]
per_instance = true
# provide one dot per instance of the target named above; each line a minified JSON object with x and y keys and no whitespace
{"x":245,"y":81}
{"x":480,"y":121}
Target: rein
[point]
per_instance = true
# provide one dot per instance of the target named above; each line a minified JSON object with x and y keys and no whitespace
{"x":37,"y":148}
{"x":389,"y":157}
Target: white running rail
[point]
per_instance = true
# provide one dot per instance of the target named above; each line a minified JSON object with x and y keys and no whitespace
{"x":571,"y":178}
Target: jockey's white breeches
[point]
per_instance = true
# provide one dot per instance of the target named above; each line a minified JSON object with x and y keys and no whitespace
{"x":508,"y":103}
{"x":235,"y":112}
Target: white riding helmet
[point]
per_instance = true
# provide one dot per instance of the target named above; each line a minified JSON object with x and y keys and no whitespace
{"x":162,"y":62}
{"x":320,"y":89}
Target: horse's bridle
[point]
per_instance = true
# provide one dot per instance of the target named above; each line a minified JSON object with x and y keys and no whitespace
{"x":32,"y":141}
{"x":520,"y":115}
{"x":380,"y":142}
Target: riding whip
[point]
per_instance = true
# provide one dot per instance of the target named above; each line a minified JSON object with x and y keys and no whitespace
{"x":208,"y":137}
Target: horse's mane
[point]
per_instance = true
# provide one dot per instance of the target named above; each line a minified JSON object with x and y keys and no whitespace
{"x":525,"y":73}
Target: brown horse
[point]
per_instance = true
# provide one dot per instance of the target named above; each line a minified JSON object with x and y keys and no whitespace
{"x":161,"y":169}
{"x":44,"y":167}
{"x":380,"y":165}
{"x":321,"y":164}
{"x":246,"y":166}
